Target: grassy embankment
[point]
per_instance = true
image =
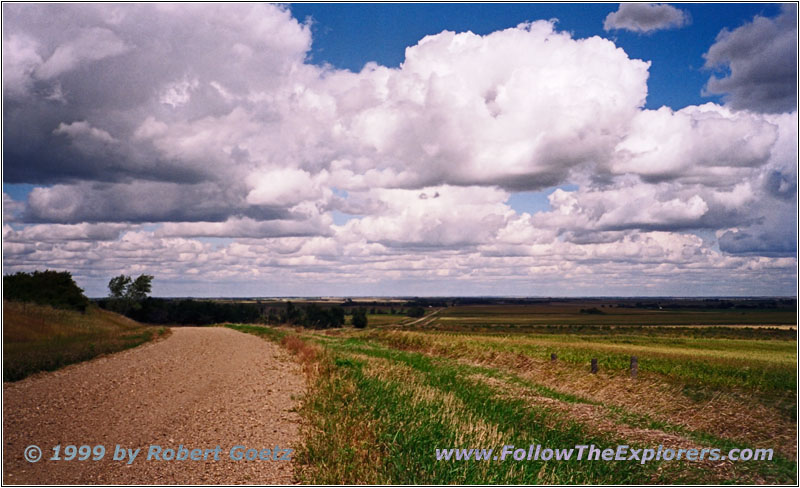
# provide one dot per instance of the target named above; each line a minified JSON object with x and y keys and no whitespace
{"x":41,"y":338}
{"x":381,"y":401}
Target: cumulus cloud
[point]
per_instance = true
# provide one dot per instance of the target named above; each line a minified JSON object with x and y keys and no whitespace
{"x":699,"y":143}
{"x":759,"y":63}
{"x":645,"y":17}
{"x":220,"y":155}
{"x":487,"y":109}
{"x":458,"y":216}
{"x":283,"y":186}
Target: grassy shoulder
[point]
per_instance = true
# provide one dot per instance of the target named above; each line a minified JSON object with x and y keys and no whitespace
{"x":41,"y":338}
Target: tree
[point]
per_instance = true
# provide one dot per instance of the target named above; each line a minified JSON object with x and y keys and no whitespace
{"x":360,"y":318}
{"x":118,"y":285}
{"x":127,"y":294}
{"x":140,"y":287}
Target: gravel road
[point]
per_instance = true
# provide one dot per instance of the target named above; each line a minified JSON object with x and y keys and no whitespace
{"x":200,"y":388}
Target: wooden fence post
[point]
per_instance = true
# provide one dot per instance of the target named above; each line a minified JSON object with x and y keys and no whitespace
{"x":634,"y":366}
{"x":594,"y":366}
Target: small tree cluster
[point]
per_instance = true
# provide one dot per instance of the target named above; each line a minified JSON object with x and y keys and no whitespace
{"x":127,"y":294}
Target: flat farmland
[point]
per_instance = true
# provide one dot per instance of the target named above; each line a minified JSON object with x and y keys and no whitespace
{"x":612,"y":313}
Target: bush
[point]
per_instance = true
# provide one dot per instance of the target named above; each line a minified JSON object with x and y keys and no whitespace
{"x":53,"y":288}
{"x":360,"y":318}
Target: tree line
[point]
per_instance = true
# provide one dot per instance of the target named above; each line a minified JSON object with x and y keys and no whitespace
{"x":130,"y":297}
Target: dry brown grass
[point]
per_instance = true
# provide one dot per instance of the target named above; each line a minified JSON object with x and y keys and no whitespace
{"x":305,"y":352}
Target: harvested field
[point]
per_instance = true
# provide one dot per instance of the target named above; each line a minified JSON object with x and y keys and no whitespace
{"x":382,"y":400}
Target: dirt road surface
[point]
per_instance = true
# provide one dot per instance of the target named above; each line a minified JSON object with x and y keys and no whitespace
{"x":200,"y":388}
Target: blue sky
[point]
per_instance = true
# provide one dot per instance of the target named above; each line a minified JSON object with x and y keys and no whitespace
{"x":573,"y":155}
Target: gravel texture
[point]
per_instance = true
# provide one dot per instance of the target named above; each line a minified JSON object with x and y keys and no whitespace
{"x":200,"y":388}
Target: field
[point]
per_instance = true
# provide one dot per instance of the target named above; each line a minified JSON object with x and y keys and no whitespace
{"x":40,"y":338}
{"x":599,"y":312}
{"x":381,"y":400}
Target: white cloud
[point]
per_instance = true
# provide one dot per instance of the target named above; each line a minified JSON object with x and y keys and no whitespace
{"x":433,"y":217}
{"x":706,"y":142}
{"x":489,"y":109}
{"x":283,"y":187}
{"x":629,"y":205}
